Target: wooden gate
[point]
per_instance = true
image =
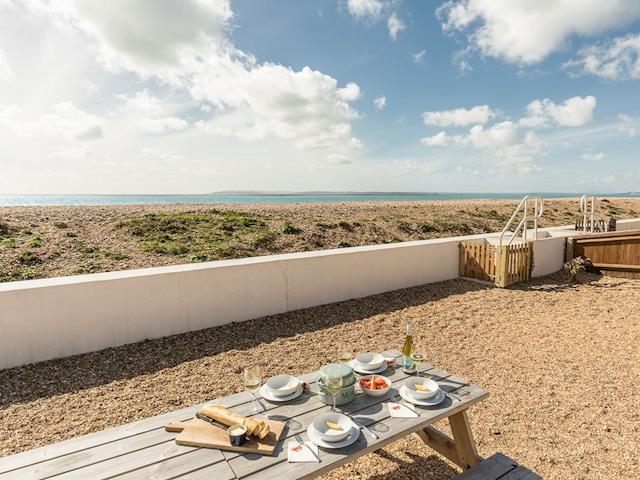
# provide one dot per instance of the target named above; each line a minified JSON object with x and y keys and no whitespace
{"x":500,"y":264}
{"x":613,"y":251}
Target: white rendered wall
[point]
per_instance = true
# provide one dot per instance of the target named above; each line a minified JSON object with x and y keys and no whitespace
{"x":57,"y":317}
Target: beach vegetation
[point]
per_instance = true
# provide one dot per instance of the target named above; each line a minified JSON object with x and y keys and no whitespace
{"x":115,"y":255}
{"x":29,"y":257}
{"x":9,"y":242}
{"x":405,"y":227}
{"x":210,"y":234}
{"x":70,"y":234}
{"x":325,"y":226}
{"x":290,"y":229}
{"x":344,"y":244}
{"x":35,"y":241}
{"x":345,"y":226}
{"x":428,"y":228}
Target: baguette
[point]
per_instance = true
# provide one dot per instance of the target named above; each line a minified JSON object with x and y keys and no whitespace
{"x":225,"y":416}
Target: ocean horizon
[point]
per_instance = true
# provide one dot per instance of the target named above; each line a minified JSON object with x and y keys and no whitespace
{"x":266,"y":197}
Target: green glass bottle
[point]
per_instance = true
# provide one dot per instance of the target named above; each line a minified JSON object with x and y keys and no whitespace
{"x":408,"y":366}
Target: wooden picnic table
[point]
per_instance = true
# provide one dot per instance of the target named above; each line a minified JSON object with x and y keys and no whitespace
{"x":143,"y":449}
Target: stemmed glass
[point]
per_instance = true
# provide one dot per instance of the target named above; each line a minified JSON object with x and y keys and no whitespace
{"x":417,"y":356}
{"x":251,"y":379}
{"x":345,"y":353}
{"x":333,"y":382}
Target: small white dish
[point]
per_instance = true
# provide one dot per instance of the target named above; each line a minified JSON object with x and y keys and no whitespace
{"x":331,"y":435}
{"x":353,"y":435}
{"x":432,"y":387}
{"x":266,"y":393}
{"x":435,"y":400}
{"x":357,"y":368}
{"x":369,"y":360}
{"x":283,"y":385}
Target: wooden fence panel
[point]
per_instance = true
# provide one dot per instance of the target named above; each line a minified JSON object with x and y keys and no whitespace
{"x":499,"y":264}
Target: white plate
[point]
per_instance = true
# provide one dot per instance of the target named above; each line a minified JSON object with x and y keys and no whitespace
{"x":354,"y":434}
{"x":436,"y":399}
{"x":267,"y":394}
{"x":356,"y":367}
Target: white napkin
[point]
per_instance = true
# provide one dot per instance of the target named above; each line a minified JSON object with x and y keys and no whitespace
{"x":400,"y":411}
{"x":298,"y":452}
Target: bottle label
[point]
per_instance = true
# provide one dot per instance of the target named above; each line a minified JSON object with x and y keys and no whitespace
{"x":407,"y":364}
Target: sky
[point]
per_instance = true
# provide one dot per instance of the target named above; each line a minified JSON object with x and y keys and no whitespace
{"x":197,"y":96}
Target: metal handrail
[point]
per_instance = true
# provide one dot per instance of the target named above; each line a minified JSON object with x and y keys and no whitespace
{"x":524,"y":206}
{"x":584,"y":208}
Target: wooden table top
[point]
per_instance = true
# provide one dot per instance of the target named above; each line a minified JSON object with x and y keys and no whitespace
{"x":143,"y":449}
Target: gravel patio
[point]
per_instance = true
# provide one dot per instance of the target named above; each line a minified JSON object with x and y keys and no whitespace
{"x":560,"y":360}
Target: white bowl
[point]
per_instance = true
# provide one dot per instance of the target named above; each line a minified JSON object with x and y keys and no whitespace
{"x":377,"y":392}
{"x":329,"y":434}
{"x":283,"y":385}
{"x":369,"y":360}
{"x":432,"y":387}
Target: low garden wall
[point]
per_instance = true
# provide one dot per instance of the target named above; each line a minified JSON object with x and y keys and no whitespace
{"x":57,"y":317}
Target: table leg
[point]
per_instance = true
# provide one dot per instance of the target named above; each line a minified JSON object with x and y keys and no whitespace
{"x":465,"y":445}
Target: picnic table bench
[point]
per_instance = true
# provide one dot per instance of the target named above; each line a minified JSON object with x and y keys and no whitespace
{"x":143,"y":449}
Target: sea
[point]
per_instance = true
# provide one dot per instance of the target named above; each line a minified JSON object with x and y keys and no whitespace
{"x":233,"y":198}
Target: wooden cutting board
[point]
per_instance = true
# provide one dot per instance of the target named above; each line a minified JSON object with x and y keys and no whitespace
{"x":198,"y":433}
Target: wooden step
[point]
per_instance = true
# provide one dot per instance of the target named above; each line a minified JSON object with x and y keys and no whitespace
{"x":498,"y":467}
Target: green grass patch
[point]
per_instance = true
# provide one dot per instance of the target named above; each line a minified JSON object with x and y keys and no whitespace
{"x":200,"y":236}
{"x":35,"y":241}
{"x":345,"y":226}
{"x":115,"y":255}
{"x":428,"y":228}
{"x":9,"y":242}
{"x":28,"y":257}
{"x":405,"y":227}
{"x":290,"y":229}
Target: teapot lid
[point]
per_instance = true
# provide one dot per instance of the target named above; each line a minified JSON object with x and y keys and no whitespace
{"x":345,"y":371}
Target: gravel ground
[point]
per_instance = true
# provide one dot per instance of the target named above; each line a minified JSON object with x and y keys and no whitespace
{"x":38,"y":242}
{"x":561,"y":363}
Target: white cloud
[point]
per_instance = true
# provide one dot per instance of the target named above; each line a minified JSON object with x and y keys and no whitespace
{"x":366,"y":9}
{"x":162,"y":155}
{"x":6,"y":74}
{"x":338,"y":159}
{"x":626,"y":126}
{"x":186,"y":46}
{"x":459,"y":117}
{"x":593,"y":157}
{"x":63,"y":121}
{"x":573,"y":112}
{"x":74,"y":152}
{"x":618,"y":59}
{"x":395,"y":25}
{"x":91,"y":133}
{"x":380,"y":102}
{"x":418,"y":57}
{"x":511,"y":30}
{"x":141,"y":102}
{"x":163,"y":125}
{"x":441,"y":139}
{"x":412,"y":166}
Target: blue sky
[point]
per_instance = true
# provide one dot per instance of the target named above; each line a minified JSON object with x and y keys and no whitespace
{"x":205,"y":95}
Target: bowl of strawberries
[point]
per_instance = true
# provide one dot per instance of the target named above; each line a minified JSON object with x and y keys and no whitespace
{"x":375,"y":385}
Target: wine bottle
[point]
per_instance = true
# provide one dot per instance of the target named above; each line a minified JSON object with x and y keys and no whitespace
{"x":407,"y":364}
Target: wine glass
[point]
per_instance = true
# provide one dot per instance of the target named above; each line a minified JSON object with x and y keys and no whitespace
{"x":345,"y":353}
{"x":251,"y":379}
{"x":418,"y":356}
{"x":333,"y":382}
